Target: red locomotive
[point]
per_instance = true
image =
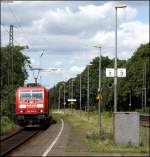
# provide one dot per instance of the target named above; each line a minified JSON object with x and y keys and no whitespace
{"x":32,"y":105}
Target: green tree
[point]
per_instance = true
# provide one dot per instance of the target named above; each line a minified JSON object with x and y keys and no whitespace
{"x":8,"y":86}
{"x":133,"y":82}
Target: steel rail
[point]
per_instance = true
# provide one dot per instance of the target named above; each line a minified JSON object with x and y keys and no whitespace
{"x":9,"y":135}
{"x":12,"y":142}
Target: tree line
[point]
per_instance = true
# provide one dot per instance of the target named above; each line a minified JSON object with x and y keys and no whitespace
{"x":132,"y":84}
{"x":11,"y":78}
{"x":130,"y":88}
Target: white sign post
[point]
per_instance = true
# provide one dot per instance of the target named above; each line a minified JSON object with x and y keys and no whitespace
{"x":109,"y":72}
{"x":121,"y":72}
{"x":72,"y":101}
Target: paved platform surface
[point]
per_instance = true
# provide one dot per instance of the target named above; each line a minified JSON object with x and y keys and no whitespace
{"x":38,"y":144}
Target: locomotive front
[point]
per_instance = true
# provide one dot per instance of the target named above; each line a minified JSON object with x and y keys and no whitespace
{"x":32,"y":105}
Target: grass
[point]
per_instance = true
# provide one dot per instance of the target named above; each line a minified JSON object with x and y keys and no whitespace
{"x":84,"y":136}
{"x":6,"y":125}
{"x":144,"y":110}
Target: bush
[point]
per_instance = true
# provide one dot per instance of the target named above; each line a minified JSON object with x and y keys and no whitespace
{"x":92,"y":135}
{"x":92,"y":108}
{"x":6,"y":124}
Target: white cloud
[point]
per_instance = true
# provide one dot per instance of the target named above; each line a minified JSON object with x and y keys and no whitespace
{"x":134,"y":31}
{"x":76,"y":70}
{"x":86,"y":20}
{"x":34,"y":63}
{"x":63,"y":30}
{"x":58,"y":64}
{"x":70,"y":28}
{"x":55,"y":70}
{"x":130,"y":36}
{"x":72,"y":61}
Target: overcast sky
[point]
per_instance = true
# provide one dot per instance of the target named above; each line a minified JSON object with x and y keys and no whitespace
{"x":67,"y":31}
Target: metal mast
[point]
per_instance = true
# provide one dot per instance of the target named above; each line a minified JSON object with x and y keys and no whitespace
{"x":11,"y":44}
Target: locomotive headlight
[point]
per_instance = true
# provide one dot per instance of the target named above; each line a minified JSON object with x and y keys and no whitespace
{"x":22,"y":106}
{"x":40,"y":105}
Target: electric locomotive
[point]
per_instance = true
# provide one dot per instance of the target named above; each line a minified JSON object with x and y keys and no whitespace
{"x":32,"y":106}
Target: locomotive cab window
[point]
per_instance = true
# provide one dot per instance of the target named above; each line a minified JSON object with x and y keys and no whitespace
{"x":25,"y":95}
{"x":34,"y":94}
{"x":38,"y":95}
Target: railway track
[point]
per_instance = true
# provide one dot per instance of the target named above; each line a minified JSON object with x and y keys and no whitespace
{"x":145,"y":120}
{"x":15,"y":140}
{"x":10,"y":135}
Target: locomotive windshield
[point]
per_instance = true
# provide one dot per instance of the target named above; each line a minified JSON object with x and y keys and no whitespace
{"x":37,"y":95}
{"x":34,"y":94}
{"x":25,"y":95}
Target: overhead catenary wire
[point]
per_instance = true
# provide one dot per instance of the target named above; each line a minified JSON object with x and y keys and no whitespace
{"x":5,"y":29}
{"x":18,"y":25}
{"x":10,"y":32}
{"x":3,"y":22}
{"x":11,"y":45}
{"x":18,"y":21}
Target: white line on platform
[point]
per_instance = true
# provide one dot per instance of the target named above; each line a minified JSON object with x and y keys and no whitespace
{"x":55,"y":140}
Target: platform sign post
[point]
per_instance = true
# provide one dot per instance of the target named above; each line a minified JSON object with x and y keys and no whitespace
{"x":121,"y":72}
{"x":72,"y":101}
{"x":110,"y":72}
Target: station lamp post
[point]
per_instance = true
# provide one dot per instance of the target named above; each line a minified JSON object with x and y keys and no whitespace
{"x":72,"y":95}
{"x":130,"y":103}
{"x":72,"y":88}
{"x":80,"y":93}
{"x":69,"y":91}
{"x":115,"y":65}
{"x":59,"y":99}
{"x":54,"y":97}
{"x":88,"y":91}
{"x":99,"y":93}
{"x":64,"y":96}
